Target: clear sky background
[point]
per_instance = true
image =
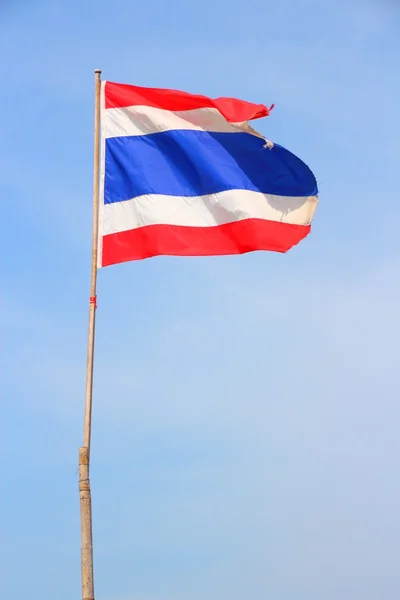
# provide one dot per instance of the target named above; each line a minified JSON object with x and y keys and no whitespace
{"x":246,"y":409}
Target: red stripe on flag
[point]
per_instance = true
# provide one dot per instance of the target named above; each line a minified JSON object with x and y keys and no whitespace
{"x":238,"y":237}
{"x":118,"y":95}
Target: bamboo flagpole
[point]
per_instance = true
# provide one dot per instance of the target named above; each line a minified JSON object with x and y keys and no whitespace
{"x":84,"y":451}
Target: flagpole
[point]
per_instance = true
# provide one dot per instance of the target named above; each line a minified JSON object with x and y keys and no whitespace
{"x":84,"y":451}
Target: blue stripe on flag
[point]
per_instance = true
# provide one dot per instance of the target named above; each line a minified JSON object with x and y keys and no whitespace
{"x":195,"y":163}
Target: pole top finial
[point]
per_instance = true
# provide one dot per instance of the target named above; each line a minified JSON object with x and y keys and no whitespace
{"x":97,"y":71}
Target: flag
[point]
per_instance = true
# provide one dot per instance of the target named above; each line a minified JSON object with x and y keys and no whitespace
{"x":186,"y":175}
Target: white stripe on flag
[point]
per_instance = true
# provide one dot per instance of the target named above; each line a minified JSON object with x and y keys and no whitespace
{"x":206,"y":211}
{"x":144,"y":120}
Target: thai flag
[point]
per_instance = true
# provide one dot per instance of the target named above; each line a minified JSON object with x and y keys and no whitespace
{"x":186,"y":175}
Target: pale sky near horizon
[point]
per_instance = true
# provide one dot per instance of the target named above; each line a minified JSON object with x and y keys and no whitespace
{"x":246,"y":409}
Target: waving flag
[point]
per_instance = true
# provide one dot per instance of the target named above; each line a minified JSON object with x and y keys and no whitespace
{"x":186,"y":175}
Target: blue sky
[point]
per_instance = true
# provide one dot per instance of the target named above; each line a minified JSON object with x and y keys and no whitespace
{"x":246,"y":409}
